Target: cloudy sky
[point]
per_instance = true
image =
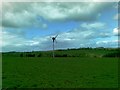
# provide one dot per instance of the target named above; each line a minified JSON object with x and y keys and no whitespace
{"x":28,"y":26}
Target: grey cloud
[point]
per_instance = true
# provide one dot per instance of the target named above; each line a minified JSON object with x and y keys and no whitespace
{"x":78,"y":11}
{"x":19,"y":15}
{"x":24,"y":14}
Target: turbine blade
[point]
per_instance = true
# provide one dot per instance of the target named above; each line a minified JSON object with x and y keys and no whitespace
{"x":56,"y":36}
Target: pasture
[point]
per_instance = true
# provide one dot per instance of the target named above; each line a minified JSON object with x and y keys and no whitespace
{"x":59,"y":72}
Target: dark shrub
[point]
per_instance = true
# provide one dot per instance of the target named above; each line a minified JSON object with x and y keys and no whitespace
{"x":60,"y":55}
{"x":114,"y":54}
{"x":39,"y":55}
{"x":30,"y":55}
{"x":64,"y":55}
{"x":21,"y":55}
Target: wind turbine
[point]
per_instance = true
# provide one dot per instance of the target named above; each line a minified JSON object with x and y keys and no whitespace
{"x":54,"y":39}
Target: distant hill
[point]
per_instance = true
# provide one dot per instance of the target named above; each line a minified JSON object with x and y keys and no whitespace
{"x":80,"y":52}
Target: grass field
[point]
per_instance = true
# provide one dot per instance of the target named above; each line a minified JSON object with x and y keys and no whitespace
{"x":59,"y":72}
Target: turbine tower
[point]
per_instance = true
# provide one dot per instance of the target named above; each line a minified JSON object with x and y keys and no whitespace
{"x":54,"y":39}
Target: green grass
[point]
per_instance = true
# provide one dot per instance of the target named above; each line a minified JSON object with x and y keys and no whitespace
{"x":46,"y":72}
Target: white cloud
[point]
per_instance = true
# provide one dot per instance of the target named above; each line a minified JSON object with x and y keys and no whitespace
{"x":116,"y":17}
{"x":116,"y":31}
{"x":11,"y":39}
{"x":96,"y":25}
{"x":14,"y":42}
{"x":0,"y":39}
{"x":102,"y":34}
{"x":96,"y":30}
{"x":61,"y":1}
{"x":108,"y":43}
{"x":72,"y":39}
{"x":80,"y":37}
{"x":17,"y":42}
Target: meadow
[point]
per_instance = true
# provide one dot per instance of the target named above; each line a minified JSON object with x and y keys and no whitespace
{"x":89,"y":71}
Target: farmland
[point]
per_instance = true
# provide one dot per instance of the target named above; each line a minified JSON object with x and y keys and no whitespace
{"x":79,"y":69}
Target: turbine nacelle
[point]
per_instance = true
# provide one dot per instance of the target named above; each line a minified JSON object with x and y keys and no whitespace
{"x":54,"y":38}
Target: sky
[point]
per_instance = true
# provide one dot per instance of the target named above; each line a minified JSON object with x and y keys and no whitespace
{"x":29,"y":26}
